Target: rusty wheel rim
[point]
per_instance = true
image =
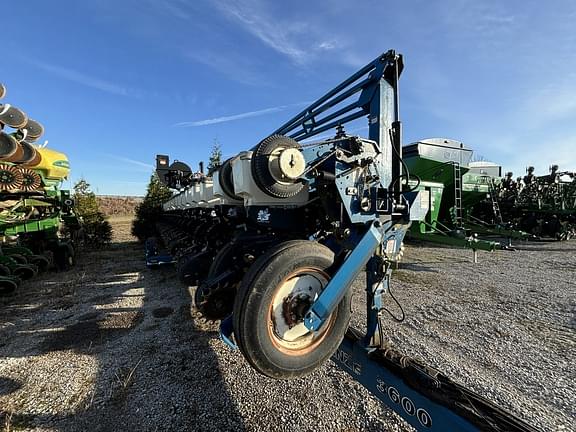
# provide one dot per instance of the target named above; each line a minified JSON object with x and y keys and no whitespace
{"x":290,"y":301}
{"x":10,"y":177}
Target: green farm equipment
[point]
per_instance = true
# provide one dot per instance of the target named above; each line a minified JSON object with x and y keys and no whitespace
{"x":44,"y":226}
{"x":543,"y":205}
{"x":37,"y":222}
{"x":483,"y":206}
{"x":433,"y":230}
{"x":455,"y":185}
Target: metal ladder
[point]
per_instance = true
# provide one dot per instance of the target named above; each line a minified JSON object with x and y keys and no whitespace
{"x":457,"y":195}
{"x":495,"y":206}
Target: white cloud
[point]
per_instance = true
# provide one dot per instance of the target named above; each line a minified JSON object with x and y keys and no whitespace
{"x":84,"y":79}
{"x":553,"y":100}
{"x":147,"y":166}
{"x":234,"y":67}
{"x":290,"y":38}
{"x":478,"y":18}
{"x":175,"y":8}
{"x":327,"y":45}
{"x":561,"y":153}
{"x":240,"y":116}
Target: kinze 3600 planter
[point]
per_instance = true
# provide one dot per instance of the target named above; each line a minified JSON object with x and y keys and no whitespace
{"x":275,"y":237}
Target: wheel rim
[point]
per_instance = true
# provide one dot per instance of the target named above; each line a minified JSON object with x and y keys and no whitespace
{"x":31,"y":181}
{"x":290,"y":301}
{"x":10,"y":177}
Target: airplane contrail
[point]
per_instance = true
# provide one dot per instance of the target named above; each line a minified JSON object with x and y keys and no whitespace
{"x":240,"y":116}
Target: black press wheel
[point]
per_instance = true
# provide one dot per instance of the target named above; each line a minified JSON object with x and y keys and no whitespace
{"x":8,"y":285}
{"x":25,"y":271}
{"x":193,"y":267}
{"x":20,"y":259}
{"x":266,"y":171}
{"x":214,"y":297}
{"x":64,"y":257}
{"x":270,"y":306}
{"x":40,"y":261}
{"x":5,"y":270}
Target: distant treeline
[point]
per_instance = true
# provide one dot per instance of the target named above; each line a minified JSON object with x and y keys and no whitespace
{"x":118,"y":205}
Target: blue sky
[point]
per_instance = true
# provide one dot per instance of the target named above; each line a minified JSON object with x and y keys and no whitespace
{"x":117,"y":81}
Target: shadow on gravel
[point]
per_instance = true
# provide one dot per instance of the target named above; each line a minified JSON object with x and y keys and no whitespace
{"x":155,"y":369}
{"x":88,"y":334}
{"x":416,"y":267}
{"x":547,"y":249}
{"x":8,"y":385}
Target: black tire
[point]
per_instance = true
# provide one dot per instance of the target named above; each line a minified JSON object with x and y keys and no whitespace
{"x":255,"y":320}
{"x":64,"y":257}
{"x":25,"y":271}
{"x":49,"y":255}
{"x":5,"y":270}
{"x":8,"y":286}
{"x":247,"y":280}
{"x":42,"y":262}
{"x":20,"y":259}
{"x":227,"y":180}
{"x":261,"y":168}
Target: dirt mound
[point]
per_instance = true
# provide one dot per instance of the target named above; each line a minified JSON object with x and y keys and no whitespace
{"x":118,"y":205}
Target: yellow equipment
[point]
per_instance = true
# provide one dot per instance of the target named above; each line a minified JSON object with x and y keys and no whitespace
{"x":53,"y":165}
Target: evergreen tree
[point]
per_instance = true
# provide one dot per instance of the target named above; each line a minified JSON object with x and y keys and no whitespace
{"x":215,"y":157}
{"x":97,"y":230}
{"x":148,"y":212}
{"x":86,"y":205}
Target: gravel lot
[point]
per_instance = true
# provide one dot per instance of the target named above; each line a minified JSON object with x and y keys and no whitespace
{"x":113,"y":346}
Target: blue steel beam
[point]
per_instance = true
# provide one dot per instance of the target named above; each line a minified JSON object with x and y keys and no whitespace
{"x":424,"y":397}
{"x":329,"y":299}
{"x":374,"y":72}
{"x":297,"y":119}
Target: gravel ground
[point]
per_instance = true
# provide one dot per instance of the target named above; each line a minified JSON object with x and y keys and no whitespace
{"x":113,"y":346}
{"x":505,"y":327}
